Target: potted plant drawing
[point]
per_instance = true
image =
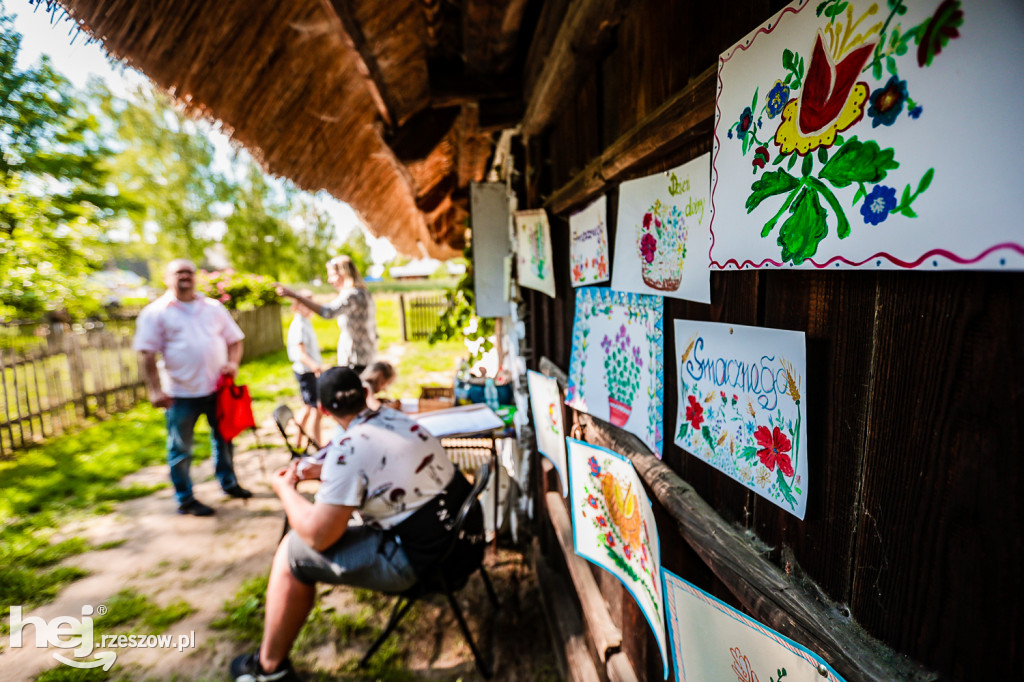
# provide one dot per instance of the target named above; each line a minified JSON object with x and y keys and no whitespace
{"x":622,"y":365}
{"x":661,"y":245}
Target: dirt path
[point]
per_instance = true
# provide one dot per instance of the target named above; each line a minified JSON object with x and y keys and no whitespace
{"x":204,"y":561}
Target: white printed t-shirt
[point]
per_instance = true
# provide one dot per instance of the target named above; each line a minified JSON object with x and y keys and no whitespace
{"x":300,"y":331}
{"x":385,"y":465}
{"x":193,"y":338}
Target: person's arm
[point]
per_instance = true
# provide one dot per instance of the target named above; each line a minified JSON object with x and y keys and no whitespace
{"x":230,"y":368}
{"x":308,"y":302}
{"x":147,"y":362}
{"x":319,"y":525}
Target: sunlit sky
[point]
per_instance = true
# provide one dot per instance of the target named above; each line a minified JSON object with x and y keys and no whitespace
{"x":78,"y":60}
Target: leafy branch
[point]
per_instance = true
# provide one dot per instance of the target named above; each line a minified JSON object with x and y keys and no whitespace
{"x":855,"y":163}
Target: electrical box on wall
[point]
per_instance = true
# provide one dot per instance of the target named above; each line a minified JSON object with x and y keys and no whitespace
{"x":490,"y":215}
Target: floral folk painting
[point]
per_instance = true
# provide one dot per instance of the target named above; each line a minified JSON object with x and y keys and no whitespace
{"x":588,"y":244}
{"x":613,"y":526}
{"x":546,"y":405}
{"x":662,"y":233}
{"x":615,"y":371}
{"x":841,"y":141}
{"x":713,"y":641}
{"x":741,"y":407}
{"x":533,"y":246}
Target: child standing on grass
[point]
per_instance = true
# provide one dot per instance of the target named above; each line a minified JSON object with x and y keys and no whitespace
{"x":304,"y":352}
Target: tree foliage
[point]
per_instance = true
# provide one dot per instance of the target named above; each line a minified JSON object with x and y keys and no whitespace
{"x":258,"y":237}
{"x":164,"y":166}
{"x":54,"y":198}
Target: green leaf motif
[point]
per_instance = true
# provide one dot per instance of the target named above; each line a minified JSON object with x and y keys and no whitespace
{"x":859,"y":162}
{"x":683,"y":428}
{"x":770,"y":184}
{"x":706,"y":432}
{"x":749,"y":452}
{"x":804,"y":229}
{"x":784,"y":488}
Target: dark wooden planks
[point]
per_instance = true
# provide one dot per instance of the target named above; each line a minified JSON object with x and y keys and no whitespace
{"x":939,"y":531}
{"x":836,"y":312}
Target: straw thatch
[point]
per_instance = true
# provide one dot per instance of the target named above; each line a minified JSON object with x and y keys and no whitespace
{"x":331,"y":93}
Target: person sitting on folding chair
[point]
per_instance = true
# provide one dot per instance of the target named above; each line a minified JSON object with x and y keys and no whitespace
{"x":382,"y":471}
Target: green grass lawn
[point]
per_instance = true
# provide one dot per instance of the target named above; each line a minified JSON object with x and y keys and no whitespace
{"x":46,"y":485}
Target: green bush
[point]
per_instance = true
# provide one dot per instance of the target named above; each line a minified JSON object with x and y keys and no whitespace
{"x":237,"y":290}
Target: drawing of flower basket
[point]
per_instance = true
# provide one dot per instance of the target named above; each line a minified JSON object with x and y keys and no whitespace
{"x":623,"y":508}
{"x":661,"y":244}
{"x":622,"y":365}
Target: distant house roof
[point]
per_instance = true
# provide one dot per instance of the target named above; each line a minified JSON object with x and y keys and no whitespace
{"x":417,"y":268}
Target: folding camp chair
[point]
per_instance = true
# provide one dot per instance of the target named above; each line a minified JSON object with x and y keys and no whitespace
{"x":283,"y":415}
{"x":439,"y":581}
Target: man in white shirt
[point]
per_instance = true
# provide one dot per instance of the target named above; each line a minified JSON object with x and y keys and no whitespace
{"x":396,"y":479}
{"x":199,"y":342}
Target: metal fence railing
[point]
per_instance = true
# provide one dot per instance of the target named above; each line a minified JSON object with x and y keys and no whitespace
{"x":420,"y":314}
{"x":56,"y":375}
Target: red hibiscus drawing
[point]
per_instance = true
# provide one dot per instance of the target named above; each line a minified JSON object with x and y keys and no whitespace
{"x":775,"y":447}
{"x":694,"y":413}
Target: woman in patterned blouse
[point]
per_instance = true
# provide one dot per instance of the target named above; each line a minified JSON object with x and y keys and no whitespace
{"x":353,"y":307}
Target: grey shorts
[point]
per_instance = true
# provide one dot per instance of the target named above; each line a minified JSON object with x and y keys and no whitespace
{"x":363,"y":557}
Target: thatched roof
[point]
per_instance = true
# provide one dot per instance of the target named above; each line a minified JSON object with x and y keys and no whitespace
{"x":388,"y":106}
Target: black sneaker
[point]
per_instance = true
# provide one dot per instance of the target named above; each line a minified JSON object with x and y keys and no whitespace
{"x":246,"y":668}
{"x":238,"y":491}
{"x":195,"y":508}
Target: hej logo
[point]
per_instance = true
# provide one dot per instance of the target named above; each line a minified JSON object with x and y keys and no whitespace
{"x":63,"y":632}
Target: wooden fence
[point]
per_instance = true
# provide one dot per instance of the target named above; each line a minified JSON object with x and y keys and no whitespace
{"x":420,"y":314}
{"x":54,"y":376}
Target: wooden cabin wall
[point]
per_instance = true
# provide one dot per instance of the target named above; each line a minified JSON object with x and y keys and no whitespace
{"x":915,"y":394}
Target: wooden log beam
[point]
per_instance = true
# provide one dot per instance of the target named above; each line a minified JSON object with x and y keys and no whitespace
{"x":375,"y":83}
{"x":795,"y":607}
{"x":586,"y":29}
{"x":569,"y":641}
{"x":489,"y":32}
{"x":683,"y":117}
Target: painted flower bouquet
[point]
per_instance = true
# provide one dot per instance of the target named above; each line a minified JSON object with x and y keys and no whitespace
{"x":661,"y":245}
{"x":622,"y":365}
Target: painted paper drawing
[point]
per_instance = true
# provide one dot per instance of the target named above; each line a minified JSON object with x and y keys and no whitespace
{"x":533,"y":246}
{"x":662,"y":234}
{"x":613,"y":526}
{"x":713,"y":641}
{"x":546,"y":406}
{"x":588,"y":244}
{"x":837,"y":142}
{"x":616,"y":363}
{"x":740,"y":406}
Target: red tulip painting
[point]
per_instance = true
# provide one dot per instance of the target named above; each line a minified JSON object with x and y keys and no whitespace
{"x":839,"y":141}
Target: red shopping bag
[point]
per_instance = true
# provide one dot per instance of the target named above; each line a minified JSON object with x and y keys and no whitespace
{"x":234,"y":408}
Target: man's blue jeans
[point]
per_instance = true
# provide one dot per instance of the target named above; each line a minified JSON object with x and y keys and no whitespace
{"x":181,"y":422}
